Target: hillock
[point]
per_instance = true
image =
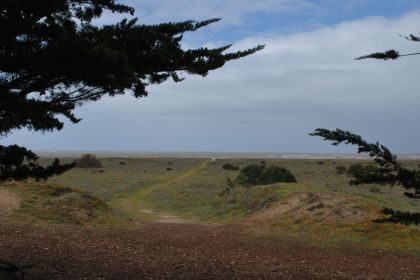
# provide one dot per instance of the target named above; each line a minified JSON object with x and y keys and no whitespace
{"x":53,"y":203}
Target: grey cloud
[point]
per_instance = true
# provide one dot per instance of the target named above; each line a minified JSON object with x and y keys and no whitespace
{"x":269,"y":101}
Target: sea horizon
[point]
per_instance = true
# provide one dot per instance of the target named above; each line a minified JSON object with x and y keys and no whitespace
{"x":215,"y":155}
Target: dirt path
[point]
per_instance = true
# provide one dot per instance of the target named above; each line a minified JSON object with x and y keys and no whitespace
{"x":140,"y":210}
{"x":178,"y":178}
{"x":164,"y":218}
{"x":179,"y":251}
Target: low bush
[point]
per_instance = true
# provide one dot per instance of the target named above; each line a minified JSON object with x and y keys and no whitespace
{"x":359,"y":170}
{"x":253,"y":174}
{"x":229,"y":166}
{"x":88,"y":161}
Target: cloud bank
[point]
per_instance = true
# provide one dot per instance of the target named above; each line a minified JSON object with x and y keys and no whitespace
{"x":268,"y":101}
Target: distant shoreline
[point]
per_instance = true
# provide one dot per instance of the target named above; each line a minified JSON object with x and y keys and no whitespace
{"x":214,"y":155}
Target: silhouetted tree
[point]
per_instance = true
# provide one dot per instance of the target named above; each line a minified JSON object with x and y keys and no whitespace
{"x":392,"y":54}
{"x":53,"y":59}
{"x":390,"y":170}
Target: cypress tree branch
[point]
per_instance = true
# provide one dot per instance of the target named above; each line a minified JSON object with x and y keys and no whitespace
{"x":43,"y":61}
{"x":400,"y":217}
{"x":52,"y":59}
{"x":390,"y":171}
{"x":18,"y":163}
{"x":410,"y":54}
{"x":391,"y":54}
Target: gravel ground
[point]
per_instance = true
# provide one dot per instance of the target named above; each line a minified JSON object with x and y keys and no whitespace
{"x":188,"y":251}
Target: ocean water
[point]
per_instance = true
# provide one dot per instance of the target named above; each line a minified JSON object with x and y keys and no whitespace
{"x":215,"y":155}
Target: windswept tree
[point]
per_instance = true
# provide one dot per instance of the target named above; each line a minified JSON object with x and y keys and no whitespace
{"x":392,"y":54}
{"x":53,"y":59}
{"x":390,"y":170}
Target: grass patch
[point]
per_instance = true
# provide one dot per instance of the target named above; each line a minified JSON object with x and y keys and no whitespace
{"x":57,"y":204}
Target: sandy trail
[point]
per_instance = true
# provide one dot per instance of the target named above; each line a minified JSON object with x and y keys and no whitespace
{"x":135,"y":205}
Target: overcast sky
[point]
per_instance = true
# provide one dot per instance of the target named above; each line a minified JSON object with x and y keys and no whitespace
{"x":305,"y":78}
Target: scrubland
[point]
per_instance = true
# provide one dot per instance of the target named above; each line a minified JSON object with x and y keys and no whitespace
{"x":321,"y":209}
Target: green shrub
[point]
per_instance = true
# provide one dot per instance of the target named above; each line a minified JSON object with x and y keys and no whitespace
{"x":358,"y":170}
{"x":229,"y":166}
{"x":253,"y":174}
{"x":88,"y":161}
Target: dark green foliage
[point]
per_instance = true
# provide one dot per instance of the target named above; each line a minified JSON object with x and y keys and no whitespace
{"x":19,"y":163}
{"x":360,"y":170}
{"x":399,"y":217}
{"x":391,"y":54}
{"x":389,"y":170}
{"x":355,"y":169}
{"x":52,"y":59}
{"x":253,"y":174}
{"x":229,"y":166}
{"x":88,"y":161}
{"x":341,"y":170}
